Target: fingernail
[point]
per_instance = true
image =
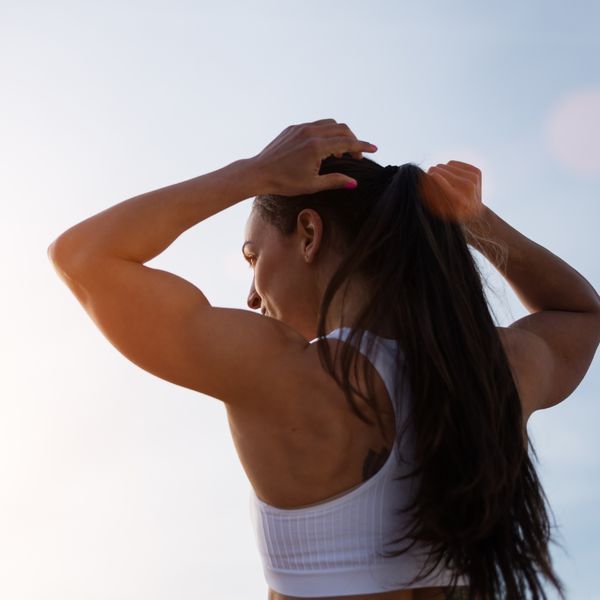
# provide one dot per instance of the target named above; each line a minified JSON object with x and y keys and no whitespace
{"x":351,"y":185}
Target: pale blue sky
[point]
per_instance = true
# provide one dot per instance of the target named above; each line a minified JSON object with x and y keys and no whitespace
{"x":116,"y":484}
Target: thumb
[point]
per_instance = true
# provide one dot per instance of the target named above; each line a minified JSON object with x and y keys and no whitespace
{"x":336,"y":181}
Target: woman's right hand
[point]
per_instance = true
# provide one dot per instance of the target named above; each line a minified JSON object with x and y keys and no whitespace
{"x":453,"y":191}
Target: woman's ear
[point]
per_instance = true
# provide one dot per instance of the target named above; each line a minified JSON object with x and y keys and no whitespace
{"x":310,"y":231}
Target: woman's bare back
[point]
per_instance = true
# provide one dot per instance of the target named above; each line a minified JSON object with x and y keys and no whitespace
{"x":333,"y":451}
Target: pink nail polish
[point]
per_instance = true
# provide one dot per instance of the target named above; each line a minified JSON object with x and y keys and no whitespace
{"x":351,"y":185}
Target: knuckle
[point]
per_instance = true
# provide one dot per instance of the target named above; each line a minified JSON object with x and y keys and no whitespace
{"x":465,"y":165}
{"x":348,"y":131}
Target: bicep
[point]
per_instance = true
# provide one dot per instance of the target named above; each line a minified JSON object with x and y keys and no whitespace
{"x":555,"y":350}
{"x":165,"y":325}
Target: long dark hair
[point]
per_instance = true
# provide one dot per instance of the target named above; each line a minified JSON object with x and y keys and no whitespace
{"x":479,"y":505}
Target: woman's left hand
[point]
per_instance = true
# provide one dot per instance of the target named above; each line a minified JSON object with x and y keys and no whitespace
{"x":290,"y":164}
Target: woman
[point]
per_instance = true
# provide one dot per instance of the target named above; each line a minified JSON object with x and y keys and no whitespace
{"x":378,"y":411}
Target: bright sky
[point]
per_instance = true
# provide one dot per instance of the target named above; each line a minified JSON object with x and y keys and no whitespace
{"x":116,"y":484}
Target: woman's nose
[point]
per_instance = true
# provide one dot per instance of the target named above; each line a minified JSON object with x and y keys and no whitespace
{"x":253,"y":299}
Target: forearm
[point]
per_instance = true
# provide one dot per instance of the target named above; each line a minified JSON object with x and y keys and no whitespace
{"x":142,"y":227}
{"x":541,"y":280}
